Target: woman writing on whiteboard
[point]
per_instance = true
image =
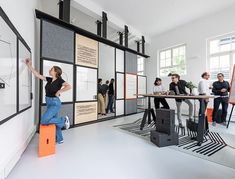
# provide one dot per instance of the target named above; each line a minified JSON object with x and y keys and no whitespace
{"x":54,"y":87}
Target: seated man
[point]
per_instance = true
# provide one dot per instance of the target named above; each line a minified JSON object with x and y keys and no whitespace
{"x":178,"y":86}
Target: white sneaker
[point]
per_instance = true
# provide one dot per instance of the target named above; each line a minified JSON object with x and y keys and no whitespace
{"x":61,"y":142}
{"x":66,"y":122}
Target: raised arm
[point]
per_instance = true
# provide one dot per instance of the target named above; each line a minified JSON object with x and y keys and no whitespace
{"x":28,"y":62}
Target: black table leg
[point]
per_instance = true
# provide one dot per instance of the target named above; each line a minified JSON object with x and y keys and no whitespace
{"x":144,"y":119}
{"x":230,"y":116}
{"x":149,"y":110}
{"x":201,"y":122}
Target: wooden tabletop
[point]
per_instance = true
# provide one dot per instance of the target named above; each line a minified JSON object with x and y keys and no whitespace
{"x":178,"y":96}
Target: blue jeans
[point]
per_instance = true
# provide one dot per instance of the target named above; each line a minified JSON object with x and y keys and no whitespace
{"x":110,"y":104}
{"x":51,"y":116}
{"x":217,"y":102}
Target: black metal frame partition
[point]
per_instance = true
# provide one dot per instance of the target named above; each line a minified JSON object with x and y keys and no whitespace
{"x":142,"y":97}
{"x":18,"y":39}
{"x":76,"y":30}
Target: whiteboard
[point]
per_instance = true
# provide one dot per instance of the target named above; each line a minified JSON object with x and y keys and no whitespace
{"x":67,"y":75}
{"x":119,"y":107}
{"x":120,"y":86}
{"x":119,"y":60}
{"x":25,"y":78}
{"x":131,"y":86}
{"x":8,"y":97}
{"x":86,"y":86}
{"x":232,"y":90}
{"x":142,"y":82}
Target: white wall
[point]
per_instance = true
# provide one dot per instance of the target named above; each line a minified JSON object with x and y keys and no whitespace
{"x":17,"y":132}
{"x":194,"y":35}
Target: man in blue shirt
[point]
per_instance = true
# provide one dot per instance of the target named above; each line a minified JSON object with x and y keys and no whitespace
{"x":220,"y":88}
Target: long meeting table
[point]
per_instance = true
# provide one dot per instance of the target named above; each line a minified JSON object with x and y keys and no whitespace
{"x":201,"y":118}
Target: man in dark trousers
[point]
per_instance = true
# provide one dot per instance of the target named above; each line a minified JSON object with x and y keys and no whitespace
{"x":179,"y":88}
{"x":111,"y":96}
{"x":220,"y":88}
{"x":105,"y":88}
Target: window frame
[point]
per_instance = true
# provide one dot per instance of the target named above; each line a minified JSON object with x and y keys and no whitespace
{"x":171,"y":66}
{"x":230,"y":53}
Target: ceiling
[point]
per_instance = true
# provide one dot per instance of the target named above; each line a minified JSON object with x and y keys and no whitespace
{"x":157,"y":16}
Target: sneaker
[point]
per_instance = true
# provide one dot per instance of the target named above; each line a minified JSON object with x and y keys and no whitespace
{"x":66,"y":122}
{"x":60,"y":142}
{"x":214,"y":123}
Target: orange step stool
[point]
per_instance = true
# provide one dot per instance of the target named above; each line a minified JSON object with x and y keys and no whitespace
{"x":47,"y":140}
{"x":209,"y":114}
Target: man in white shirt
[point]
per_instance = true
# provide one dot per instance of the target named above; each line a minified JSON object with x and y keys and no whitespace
{"x":204,"y":89}
{"x":204,"y":84}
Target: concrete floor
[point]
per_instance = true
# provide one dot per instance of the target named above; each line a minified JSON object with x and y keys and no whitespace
{"x":103,"y":152}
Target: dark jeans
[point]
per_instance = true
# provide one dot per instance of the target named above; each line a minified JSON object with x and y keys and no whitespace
{"x":157,"y":102}
{"x":110,"y":104}
{"x":206,"y":118}
{"x":217,"y":102}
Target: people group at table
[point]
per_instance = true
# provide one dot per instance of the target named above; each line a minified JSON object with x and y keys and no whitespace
{"x":219,"y":88}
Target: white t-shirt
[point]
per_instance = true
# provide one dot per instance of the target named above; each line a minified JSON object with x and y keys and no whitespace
{"x":158,"y":89}
{"x":204,"y":87}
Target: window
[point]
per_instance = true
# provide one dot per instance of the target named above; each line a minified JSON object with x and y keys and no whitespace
{"x":221,"y":55}
{"x":173,"y":61}
{"x":140,"y":65}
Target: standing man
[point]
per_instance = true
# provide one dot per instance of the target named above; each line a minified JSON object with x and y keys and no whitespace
{"x":221,"y":88}
{"x":204,"y":89}
{"x":179,"y":88}
{"x":111,"y":96}
{"x":204,"y":86}
{"x":105,"y":88}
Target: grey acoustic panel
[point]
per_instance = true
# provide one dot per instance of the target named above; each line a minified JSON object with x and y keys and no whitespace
{"x":130,"y":106}
{"x":57,"y":42}
{"x":131,"y":62}
{"x":66,"y":109}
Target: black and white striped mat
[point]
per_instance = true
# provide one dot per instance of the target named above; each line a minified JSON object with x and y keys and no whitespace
{"x":213,"y":142}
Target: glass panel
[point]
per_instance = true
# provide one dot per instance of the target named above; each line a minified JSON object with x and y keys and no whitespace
{"x":162,"y":55}
{"x":67,"y":75}
{"x":182,"y":50}
{"x":168,"y":54}
{"x":214,"y":46}
{"x":175,"y":52}
{"x":168,"y":62}
{"x":86,"y":84}
{"x":214,"y":63}
{"x":162,"y":63}
{"x":164,"y":72}
{"x":225,"y":47}
{"x":224,"y":61}
{"x":179,"y":60}
{"x":233,"y":46}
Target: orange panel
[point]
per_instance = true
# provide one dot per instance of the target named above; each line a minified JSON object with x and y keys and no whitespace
{"x":47,"y":140}
{"x":209,"y":114}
